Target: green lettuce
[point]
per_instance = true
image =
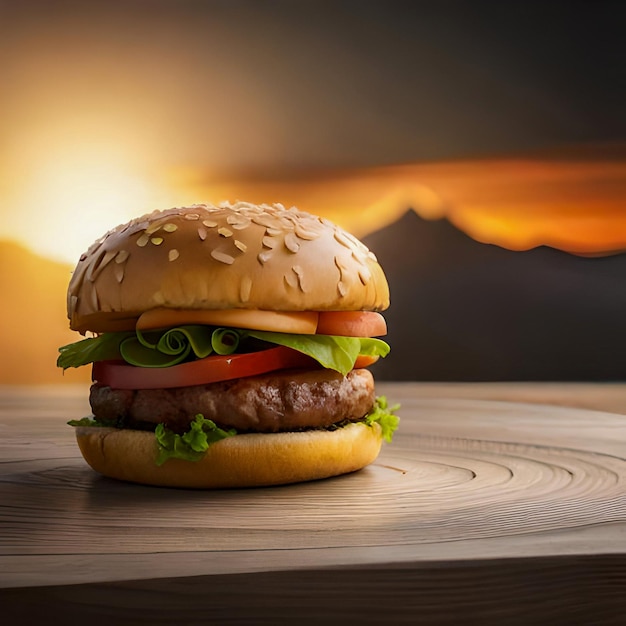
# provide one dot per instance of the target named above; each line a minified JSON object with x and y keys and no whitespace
{"x":385,"y":416}
{"x":93,"y":421}
{"x":173,"y":346}
{"x":150,"y":349}
{"x":104,"y":347}
{"x":193,"y":444}
{"x":164,"y":349}
{"x":331,"y":351}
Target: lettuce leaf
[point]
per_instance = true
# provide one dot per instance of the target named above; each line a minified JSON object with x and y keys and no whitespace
{"x":151,"y":349}
{"x":92,"y":421}
{"x":193,"y":444}
{"x":384,"y":415}
{"x":202,"y":433}
{"x":104,"y":347}
{"x":168,"y":348}
{"x":331,"y":351}
{"x":172,"y":346}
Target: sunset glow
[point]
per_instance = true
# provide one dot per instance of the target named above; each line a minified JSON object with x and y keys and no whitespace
{"x":574,"y":202}
{"x":70,"y":199}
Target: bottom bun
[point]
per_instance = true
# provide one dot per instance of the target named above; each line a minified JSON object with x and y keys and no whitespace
{"x":249,"y":460}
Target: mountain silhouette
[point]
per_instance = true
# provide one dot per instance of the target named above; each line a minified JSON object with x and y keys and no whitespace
{"x":464,"y":310}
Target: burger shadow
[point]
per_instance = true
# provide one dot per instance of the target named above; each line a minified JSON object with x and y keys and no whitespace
{"x":105,"y":491}
{"x":124,"y":515}
{"x":103,"y":494}
{"x":108,"y":494}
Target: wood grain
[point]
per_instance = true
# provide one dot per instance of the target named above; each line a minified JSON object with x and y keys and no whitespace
{"x":480,"y":509}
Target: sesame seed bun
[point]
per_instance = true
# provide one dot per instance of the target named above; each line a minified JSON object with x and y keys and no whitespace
{"x":240,"y":256}
{"x":249,"y":460}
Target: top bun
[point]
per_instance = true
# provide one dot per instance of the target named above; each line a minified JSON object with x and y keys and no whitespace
{"x":240,"y":256}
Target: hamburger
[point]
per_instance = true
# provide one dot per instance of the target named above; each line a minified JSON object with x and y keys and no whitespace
{"x":229,"y":347}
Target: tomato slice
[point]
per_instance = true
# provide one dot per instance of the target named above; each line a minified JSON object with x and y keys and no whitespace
{"x":365,"y":360}
{"x":352,"y":324}
{"x":215,"y":368}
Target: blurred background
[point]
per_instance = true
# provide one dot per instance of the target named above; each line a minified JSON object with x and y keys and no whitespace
{"x":476,"y":147}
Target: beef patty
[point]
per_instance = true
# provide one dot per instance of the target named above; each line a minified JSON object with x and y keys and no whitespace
{"x":273,"y":402}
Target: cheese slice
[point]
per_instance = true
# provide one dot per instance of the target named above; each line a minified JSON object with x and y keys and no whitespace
{"x":300,"y":322}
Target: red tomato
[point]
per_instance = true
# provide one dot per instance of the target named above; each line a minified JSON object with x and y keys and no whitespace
{"x":120,"y":375}
{"x":352,"y":324}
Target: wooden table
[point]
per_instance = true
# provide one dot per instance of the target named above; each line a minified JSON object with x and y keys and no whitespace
{"x":496,"y":503}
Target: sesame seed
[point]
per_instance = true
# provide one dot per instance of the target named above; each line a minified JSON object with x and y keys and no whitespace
{"x":238,"y":220}
{"x":170,"y":228}
{"x":359,"y":257}
{"x":264,"y":256}
{"x":173,"y":254}
{"x":291,"y":280}
{"x":364,"y":275}
{"x":222,"y":257}
{"x":339,"y":262}
{"x":143,"y":240}
{"x":304,"y":233}
{"x":291,"y":242}
{"x":225,"y":232}
{"x":355,"y":242}
{"x":245,"y":288}
{"x":118,"y":272}
{"x":342,"y":239}
{"x":241,"y":245}
{"x":93,"y":298}
{"x":263,"y":219}
{"x":157,"y":241}
{"x":98,"y":263}
{"x":121,"y":256}
{"x":297,"y":270}
{"x":242,"y":223}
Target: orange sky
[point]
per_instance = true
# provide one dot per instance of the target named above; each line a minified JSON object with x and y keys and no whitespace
{"x":575,"y":201}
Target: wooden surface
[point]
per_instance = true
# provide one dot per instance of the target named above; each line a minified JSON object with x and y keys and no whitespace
{"x":495,"y":503}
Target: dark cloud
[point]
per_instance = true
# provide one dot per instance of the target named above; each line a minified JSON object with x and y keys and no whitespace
{"x":259,"y":84}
